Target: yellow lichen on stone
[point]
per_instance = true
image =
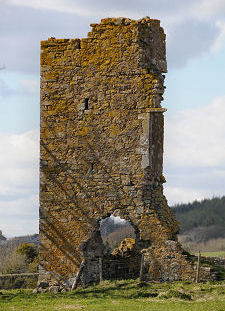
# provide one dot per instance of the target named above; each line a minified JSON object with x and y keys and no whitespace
{"x":102,"y":145}
{"x":83,"y":131}
{"x":125,"y":249}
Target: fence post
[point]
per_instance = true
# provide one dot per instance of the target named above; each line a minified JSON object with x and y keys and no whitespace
{"x":100,"y":269}
{"x":198,"y":267}
{"x":142,"y":267}
{"x":77,"y":278}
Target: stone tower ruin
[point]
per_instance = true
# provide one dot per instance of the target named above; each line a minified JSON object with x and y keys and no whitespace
{"x":102,"y":150}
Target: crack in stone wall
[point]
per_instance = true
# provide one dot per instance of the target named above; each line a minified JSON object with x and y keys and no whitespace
{"x":102,"y":149}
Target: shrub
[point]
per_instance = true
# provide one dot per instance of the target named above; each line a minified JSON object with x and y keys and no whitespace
{"x":29,"y":250}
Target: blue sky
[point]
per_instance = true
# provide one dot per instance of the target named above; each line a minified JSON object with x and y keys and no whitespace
{"x":194,"y":158}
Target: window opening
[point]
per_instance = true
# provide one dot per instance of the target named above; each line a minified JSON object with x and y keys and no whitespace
{"x":92,"y":167}
{"x":86,"y":104}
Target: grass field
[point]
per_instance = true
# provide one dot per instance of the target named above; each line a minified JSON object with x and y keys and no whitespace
{"x":123,"y":295}
{"x":220,"y":254}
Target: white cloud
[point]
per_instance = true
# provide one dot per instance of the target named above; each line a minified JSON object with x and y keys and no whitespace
{"x":31,"y":86}
{"x":196,"y":136}
{"x":195,"y":152}
{"x":189,"y":39}
{"x":19,"y":207}
{"x":19,"y":149}
{"x":5,"y":89}
{"x":63,"y":6}
{"x":176,"y":195}
{"x":19,"y":182}
{"x":207,"y":9}
{"x":192,"y":27}
{"x":219,"y":41}
{"x":11,"y":85}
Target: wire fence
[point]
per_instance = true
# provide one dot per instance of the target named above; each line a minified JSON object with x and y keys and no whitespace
{"x":120,"y":269}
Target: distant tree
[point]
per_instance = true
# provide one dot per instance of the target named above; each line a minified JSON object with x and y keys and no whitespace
{"x":16,"y":264}
{"x":208,"y":213}
{"x":2,"y":238}
{"x":33,"y":266}
{"x":29,"y":250}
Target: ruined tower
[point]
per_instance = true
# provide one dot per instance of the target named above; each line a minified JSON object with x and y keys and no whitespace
{"x":102,"y":149}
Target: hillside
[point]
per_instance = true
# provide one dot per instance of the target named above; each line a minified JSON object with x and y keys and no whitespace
{"x":202,"y":225}
{"x":206,"y":218}
{"x":31,"y":239}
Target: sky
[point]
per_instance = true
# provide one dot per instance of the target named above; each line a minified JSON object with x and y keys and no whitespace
{"x":194,"y":142}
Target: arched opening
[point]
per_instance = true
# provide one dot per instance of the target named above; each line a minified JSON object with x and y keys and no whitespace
{"x":113,"y":231}
{"x":121,"y":255}
{"x":113,"y":251}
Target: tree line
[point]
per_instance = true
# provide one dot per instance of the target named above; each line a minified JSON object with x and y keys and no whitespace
{"x":208,"y":213}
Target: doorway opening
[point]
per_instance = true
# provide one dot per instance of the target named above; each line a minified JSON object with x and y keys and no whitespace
{"x":121,"y":256}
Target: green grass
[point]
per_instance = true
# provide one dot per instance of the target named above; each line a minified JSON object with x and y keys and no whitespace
{"x":121,"y":295}
{"x":220,"y":254}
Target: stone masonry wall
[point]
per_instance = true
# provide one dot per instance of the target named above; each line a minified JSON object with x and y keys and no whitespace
{"x":102,"y":149}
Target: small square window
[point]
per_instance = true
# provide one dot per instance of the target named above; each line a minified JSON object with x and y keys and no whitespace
{"x":86,"y":104}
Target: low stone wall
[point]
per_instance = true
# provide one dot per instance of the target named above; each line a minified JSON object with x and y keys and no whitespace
{"x":15,"y":281}
{"x":215,"y":261}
